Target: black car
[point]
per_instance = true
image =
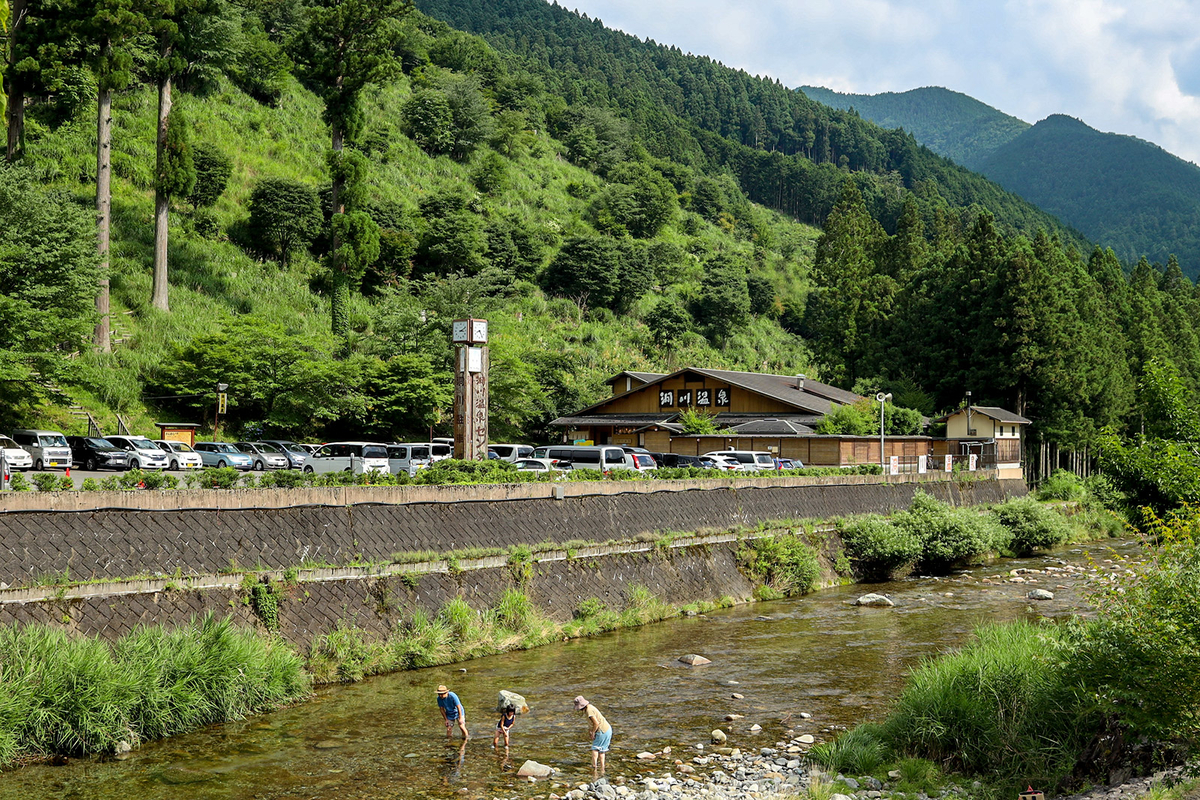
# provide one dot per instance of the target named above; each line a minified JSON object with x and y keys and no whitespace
{"x":93,"y":453}
{"x":678,"y":460}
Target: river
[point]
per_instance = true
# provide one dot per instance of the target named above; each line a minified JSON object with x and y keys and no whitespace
{"x":383,"y":737}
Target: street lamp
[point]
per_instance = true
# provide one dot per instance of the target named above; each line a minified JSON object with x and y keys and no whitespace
{"x":882,"y":399}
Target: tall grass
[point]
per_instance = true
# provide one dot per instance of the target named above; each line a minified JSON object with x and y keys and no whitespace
{"x":79,"y":695}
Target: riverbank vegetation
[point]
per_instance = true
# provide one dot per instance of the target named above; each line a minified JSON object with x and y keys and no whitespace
{"x":68,"y":695}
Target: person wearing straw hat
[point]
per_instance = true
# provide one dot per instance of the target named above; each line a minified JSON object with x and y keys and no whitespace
{"x":601,"y":733}
{"x":452,"y":712}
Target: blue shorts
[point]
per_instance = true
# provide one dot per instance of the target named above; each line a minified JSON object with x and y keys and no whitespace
{"x":602,"y":740}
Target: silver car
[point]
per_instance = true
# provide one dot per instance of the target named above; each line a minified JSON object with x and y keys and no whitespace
{"x":264,"y":456}
{"x":223,"y":454}
{"x":143,"y":453}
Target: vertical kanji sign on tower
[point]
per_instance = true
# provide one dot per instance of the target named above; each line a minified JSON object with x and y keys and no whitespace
{"x":470,"y":389}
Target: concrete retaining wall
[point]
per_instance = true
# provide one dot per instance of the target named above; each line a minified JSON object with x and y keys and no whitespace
{"x":105,"y":543}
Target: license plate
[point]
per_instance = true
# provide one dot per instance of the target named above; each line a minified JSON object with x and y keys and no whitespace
{"x":57,"y":463}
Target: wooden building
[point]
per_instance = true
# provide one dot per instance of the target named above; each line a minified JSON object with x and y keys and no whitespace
{"x":994,"y":434}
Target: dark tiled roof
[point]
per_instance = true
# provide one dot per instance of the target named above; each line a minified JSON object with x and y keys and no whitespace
{"x":612,"y":419}
{"x":644,"y":377}
{"x":772,"y":427}
{"x":994,"y":412}
{"x":815,"y":398}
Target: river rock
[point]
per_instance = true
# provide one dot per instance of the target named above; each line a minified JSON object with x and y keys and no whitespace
{"x":806,"y":738}
{"x":328,"y":744}
{"x":532,"y":769}
{"x":894,"y":774}
{"x":851,"y":784}
{"x":732,"y":717}
{"x":737,"y":696}
{"x":838,"y":796}
{"x":123,"y":747}
{"x":805,"y":715}
{"x":872,"y":783}
{"x":693,"y":660}
{"x":644,"y":756}
{"x":718,"y":736}
{"x":686,"y":769}
{"x":873,"y":600}
{"x":1040,"y":594}
{"x":755,"y":728}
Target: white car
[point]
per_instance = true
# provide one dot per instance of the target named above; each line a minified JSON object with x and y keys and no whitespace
{"x":539,"y":465}
{"x":143,"y":453}
{"x":724,"y":460}
{"x":14,"y":456}
{"x":748,"y":460}
{"x":511,"y":452}
{"x":356,"y":457}
{"x":181,"y":454}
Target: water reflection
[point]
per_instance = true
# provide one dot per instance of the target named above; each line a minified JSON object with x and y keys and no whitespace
{"x":384,"y":738}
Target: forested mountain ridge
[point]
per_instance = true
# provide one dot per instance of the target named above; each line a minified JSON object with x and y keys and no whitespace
{"x":1123,"y":191}
{"x":785,"y":149}
{"x":1120,"y":191}
{"x":949,"y":123}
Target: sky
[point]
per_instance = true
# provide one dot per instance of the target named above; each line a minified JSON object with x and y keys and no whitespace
{"x":1126,"y":66}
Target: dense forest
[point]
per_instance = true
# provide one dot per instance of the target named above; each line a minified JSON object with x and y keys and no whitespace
{"x":1123,"y":192}
{"x":949,"y":123}
{"x":302,"y":220}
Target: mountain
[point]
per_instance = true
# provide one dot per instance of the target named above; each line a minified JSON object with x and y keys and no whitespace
{"x":1120,"y":191}
{"x":952,"y":124}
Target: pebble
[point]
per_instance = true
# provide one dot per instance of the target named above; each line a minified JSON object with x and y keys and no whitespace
{"x":737,"y":696}
{"x":755,"y":728}
{"x":805,"y":715}
{"x":806,"y":739}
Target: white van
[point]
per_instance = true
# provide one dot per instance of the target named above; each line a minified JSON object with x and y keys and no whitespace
{"x":143,"y":453}
{"x":750,"y":460}
{"x":356,"y":457}
{"x":46,"y":448}
{"x":603,"y":458}
{"x":511,"y":452}
{"x":407,"y":458}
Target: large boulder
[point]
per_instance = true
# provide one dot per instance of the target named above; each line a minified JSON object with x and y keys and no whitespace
{"x":1040,"y":594}
{"x":512,"y":700}
{"x":873,"y":600}
{"x":532,"y":769}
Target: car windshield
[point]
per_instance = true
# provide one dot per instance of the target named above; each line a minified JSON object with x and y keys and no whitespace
{"x":52,"y":441}
{"x":94,"y":442}
{"x":765,"y":459}
{"x":180,"y":447}
{"x":8,"y":444}
{"x":268,"y":448}
{"x":374,"y":452}
{"x":144,"y":444}
{"x":226,"y":447}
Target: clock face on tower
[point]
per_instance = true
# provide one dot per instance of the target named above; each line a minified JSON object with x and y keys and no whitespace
{"x":479,"y":331}
{"x":460,"y":331}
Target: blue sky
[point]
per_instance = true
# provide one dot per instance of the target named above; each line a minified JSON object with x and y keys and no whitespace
{"x":1128,"y":66}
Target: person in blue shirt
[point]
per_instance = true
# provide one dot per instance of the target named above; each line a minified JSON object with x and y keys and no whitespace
{"x":452,"y":712}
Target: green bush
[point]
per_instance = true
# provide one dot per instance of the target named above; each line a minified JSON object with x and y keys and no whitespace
{"x":880,"y":549}
{"x":77,"y":695}
{"x":951,"y":535}
{"x":90,"y":485}
{"x":1032,"y":525}
{"x":45,"y":481}
{"x":214,"y":478}
{"x":784,"y":563}
{"x":66,"y":484}
{"x":455,"y":471}
{"x":999,"y":707}
{"x":19,"y":483}
{"x":1061,"y":485}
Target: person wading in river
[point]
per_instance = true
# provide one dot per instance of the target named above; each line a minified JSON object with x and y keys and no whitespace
{"x":452,"y":711}
{"x":601,"y":733}
{"x":508,"y":718}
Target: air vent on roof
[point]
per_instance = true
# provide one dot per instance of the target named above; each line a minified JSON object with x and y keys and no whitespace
{"x":800,"y":382}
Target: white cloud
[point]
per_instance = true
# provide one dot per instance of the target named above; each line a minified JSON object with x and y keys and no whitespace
{"x":1128,"y":66}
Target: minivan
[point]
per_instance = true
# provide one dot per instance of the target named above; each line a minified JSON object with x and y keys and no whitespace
{"x":750,"y":460}
{"x":511,"y":452}
{"x":47,"y":448}
{"x":407,"y":458}
{"x":143,"y":453}
{"x":587,"y":457}
{"x":356,"y":457}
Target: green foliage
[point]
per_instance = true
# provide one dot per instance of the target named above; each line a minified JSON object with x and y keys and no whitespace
{"x":699,"y":422}
{"x":880,"y":549}
{"x":450,"y":470}
{"x":426,"y":118}
{"x":1031,"y":525}
{"x":213,"y":169}
{"x":723,"y":305}
{"x":859,"y":751}
{"x":668,"y":321}
{"x":19,"y":483}
{"x":783,"y":563}
{"x":285,"y":217}
{"x":176,"y":175}
{"x":950,"y":535}
{"x":587,"y":270}
{"x":45,"y":481}
{"x":259,"y":66}
{"x":1061,"y":485}
{"x":152,"y":683}
{"x":90,"y":485}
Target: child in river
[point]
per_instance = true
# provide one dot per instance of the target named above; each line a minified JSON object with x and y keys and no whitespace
{"x":508,"y":718}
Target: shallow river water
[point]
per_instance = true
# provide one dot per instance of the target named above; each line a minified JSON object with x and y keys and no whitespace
{"x":383,"y":738}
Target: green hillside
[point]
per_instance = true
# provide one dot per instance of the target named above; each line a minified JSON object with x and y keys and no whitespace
{"x":1118,"y":190}
{"x":949,"y":123}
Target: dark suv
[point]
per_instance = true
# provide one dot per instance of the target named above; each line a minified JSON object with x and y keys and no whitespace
{"x":93,"y":453}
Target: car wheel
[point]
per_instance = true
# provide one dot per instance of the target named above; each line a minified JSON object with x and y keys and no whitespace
{"x":308,"y":470}
{"x":90,"y":465}
{"x":174,"y":465}
{"x":37,"y":465}
{"x":135,"y":464}
{"x":259,"y":466}
{"x":221,"y":464}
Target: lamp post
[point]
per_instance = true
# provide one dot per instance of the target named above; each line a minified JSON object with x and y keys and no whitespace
{"x":882,"y":399}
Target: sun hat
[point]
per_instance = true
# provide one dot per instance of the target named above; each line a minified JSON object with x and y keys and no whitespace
{"x":443,"y":690}
{"x":580,"y":703}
